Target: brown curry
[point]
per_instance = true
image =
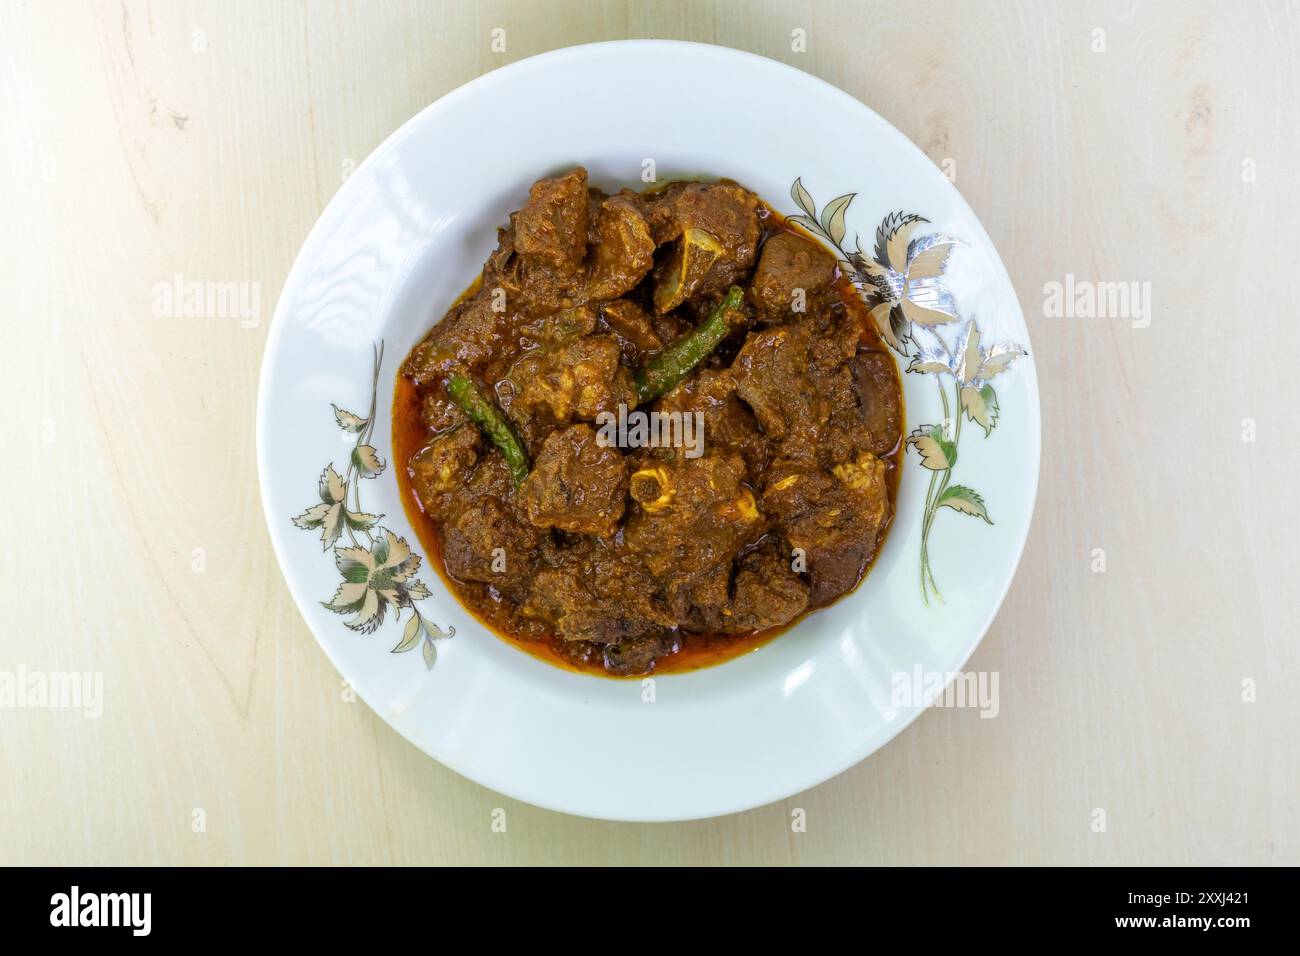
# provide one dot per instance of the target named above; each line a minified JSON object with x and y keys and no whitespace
{"x":752,"y":478}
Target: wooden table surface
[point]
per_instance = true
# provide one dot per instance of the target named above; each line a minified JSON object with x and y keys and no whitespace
{"x":1137,"y":142}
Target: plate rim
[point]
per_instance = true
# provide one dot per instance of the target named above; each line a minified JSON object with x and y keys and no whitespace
{"x":330,"y":212}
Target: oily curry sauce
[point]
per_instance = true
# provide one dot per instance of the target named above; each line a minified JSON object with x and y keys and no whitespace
{"x":686,"y":648}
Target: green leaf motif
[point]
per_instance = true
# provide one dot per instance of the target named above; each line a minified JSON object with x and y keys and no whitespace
{"x":833,"y":217}
{"x":313,"y":517}
{"x":964,"y":501}
{"x":981,"y":406}
{"x":331,"y":486}
{"x":366,"y":461}
{"x":359,"y":520}
{"x":928,"y":256}
{"x":807,"y":223}
{"x":932,"y":362}
{"x":410,"y":636}
{"x":348,"y":421}
{"x":802,"y":199}
{"x":937,"y":451}
{"x":331,"y":526}
{"x":991,"y":404}
{"x":996,"y":359}
{"x":353,"y":571}
{"x":378,"y":567}
{"x":340,"y":605}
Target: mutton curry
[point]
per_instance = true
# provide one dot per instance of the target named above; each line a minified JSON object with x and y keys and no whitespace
{"x":694,"y":300}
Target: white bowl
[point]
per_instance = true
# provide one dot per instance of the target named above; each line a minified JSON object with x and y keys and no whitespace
{"x":404,"y":236}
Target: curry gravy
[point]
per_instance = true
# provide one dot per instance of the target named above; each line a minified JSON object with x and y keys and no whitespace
{"x":694,"y":650}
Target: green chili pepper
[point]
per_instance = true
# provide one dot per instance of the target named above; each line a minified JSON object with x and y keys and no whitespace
{"x":679,"y":358}
{"x":488,"y":417}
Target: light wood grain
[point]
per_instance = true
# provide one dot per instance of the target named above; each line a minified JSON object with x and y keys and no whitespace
{"x":129,"y":158}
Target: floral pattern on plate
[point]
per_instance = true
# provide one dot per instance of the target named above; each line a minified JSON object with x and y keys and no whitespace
{"x":902,"y":283}
{"x":377,"y":566}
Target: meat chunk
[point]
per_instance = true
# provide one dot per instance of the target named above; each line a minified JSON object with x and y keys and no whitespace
{"x":624,"y":251}
{"x":439,"y":413}
{"x":576,"y":485}
{"x":442,"y":467}
{"x":638,"y":655}
{"x":552,"y":225}
{"x":729,"y":425}
{"x":864,"y":394}
{"x":723,"y":217}
{"x":560,"y":597}
{"x":682,"y":273}
{"x":693,"y":515}
{"x":837,"y":333}
{"x":576,"y":380}
{"x":724,"y":209}
{"x":597,"y":595}
{"x":729,"y":213}
{"x":659,"y":208}
{"x":554,"y":327}
{"x":691,"y":512}
{"x":791,"y":271}
{"x":879,"y":401}
{"x":487,"y":542}
{"x":636,"y":335}
{"x":527,"y":284}
{"x":768,"y":593}
{"x":471,"y":334}
{"x":772,"y":376}
{"x":818,"y":405}
{"x":833,"y":519}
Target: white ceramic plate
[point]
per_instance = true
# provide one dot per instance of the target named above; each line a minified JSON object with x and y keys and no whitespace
{"x":409,"y":230}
